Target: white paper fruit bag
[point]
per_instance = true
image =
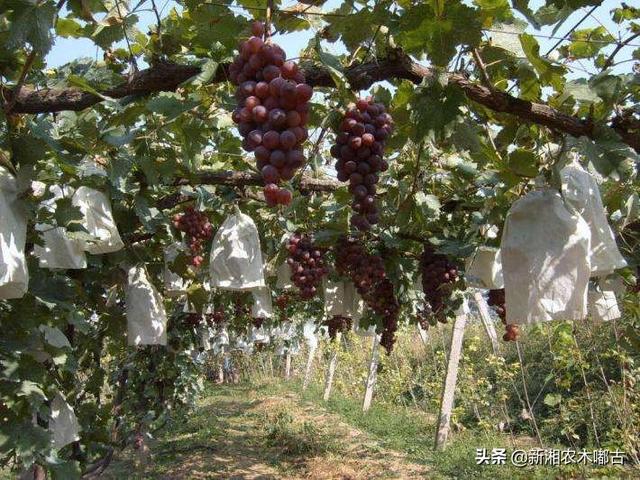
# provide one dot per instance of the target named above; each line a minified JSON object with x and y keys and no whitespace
{"x":174,"y":284}
{"x":98,"y":220}
{"x":309,"y":334}
{"x":262,"y":306}
{"x":580,"y":190}
{"x":236,"y":258}
{"x":334,"y":300}
{"x":14,"y":275}
{"x":284,"y":277}
{"x":63,"y":424}
{"x":60,"y":251}
{"x":355,"y":310}
{"x":603,"y":305}
{"x":483,"y":269}
{"x":545,"y":260}
{"x":146,"y":316}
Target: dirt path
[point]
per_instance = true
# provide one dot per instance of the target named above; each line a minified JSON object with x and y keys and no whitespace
{"x":237,"y":433}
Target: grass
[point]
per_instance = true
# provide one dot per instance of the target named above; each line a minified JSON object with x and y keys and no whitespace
{"x":412,"y":432}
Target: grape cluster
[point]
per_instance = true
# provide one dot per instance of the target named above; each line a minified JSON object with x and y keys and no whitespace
{"x":257,"y":322}
{"x":197,"y":228}
{"x":306,"y":263}
{"x":273,"y":111}
{"x":282,"y":301}
{"x":359,"y":148}
{"x":439,"y":277}
{"x":337,"y":324}
{"x":367,"y":273}
{"x":192,"y":320}
{"x":216,"y":318}
{"x":496,"y":299}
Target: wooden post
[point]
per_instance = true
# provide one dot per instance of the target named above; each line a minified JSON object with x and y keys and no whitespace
{"x":221,"y":366}
{"x":287,"y":366}
{"x":331,"y":369}
{"x":448,"y":392}
{"x":424,"y":335}
{"x":485,"y":316}
{"x":371,"y":378}
{"x":307,"y":370}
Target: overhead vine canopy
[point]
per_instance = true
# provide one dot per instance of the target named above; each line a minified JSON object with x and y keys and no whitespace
{"x":480,"y":111}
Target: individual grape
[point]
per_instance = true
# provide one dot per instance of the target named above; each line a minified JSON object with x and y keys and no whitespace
{"x":197,"y":229}
{"x":358,"y":147}
{"x":273,"y":109}
{"x":307,"y":264}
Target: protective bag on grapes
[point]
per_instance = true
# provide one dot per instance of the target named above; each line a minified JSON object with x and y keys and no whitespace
{"x":174,"y":284}
{"x":483,"y":269}
{"x":63,"y":424}
{"x":354,"y":309}
{"x":60,"y":250}
{"x":580,"y":190}
{"x":146,"y":316}
{"x":259,"y":335}
{"x":205,"y":337}
{"x":283,"y":280}
{"x":545,"y":260}
{"x":603,"y":305}
{"x":334,"y":299}
{"x":98,"y":220}
{"x":236,"y":258}
{"x":14,"y":275}
{"x":262,"y":306}
{"x":309,"y":334}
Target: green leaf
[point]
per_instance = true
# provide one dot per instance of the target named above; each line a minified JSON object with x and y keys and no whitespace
{"x":506,"y":36}
{"x":523,"y":162}
{"x":429,"y":204}
{"x":66,"y":213}
{"x":552,"y":399}
{"x":54,"y":337}
{"x":336,"y":70}
{"x":170,"y":104}
{"x":207,"y":72}
{"x":438,"y":31}
{"x":67,"y":27}
{"x":588,"y":42}
{"x":434,"y":107}
{"x":548,"y":73}
{"x":32,"y":23}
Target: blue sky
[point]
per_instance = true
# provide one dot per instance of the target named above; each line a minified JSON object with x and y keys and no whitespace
{"x":66,"y":50}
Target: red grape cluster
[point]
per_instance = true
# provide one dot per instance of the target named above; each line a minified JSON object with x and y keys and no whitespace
{"x":359,"y":148}
{"x":257,"y":322}
{"x":198,"y":229}
{"x":273,"y":110}
{"x":337,"y":324}
{"x":496,"y":300}
{"x":192,"y":320}
{"x":216,"y":318}
{"x":282,"y":301}
{"x":367,"y":273}
{"x":306,"y":263}
{"x":439,"y":277}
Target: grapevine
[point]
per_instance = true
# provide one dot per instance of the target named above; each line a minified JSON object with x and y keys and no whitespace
{"x":359,"y":150}
{"x":272,"y":113}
